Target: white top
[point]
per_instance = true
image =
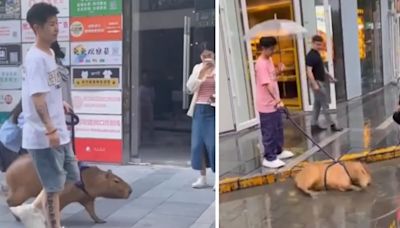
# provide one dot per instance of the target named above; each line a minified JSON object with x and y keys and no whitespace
{"x":40,"y":75}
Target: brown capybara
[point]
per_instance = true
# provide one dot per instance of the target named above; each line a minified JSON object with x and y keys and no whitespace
{"x":24,"y":183}
{"x":311,"y":178}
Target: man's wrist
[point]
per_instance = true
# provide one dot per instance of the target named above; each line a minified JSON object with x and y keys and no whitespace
{"x":51,"y":132}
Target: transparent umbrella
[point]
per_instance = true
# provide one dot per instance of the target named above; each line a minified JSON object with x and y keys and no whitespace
{"x":275,"y":27}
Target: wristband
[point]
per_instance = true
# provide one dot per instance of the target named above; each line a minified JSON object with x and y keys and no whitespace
{"x":51,"y":132}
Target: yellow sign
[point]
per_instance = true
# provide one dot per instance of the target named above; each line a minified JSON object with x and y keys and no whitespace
{"x":103,"y":83}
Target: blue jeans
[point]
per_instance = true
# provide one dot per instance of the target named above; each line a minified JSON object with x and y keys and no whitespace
{"x":272,"y":134}
{"x":203,"y":137}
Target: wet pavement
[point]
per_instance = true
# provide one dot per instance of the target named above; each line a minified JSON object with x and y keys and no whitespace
{"x":282,"y":205}
{"x":367,"y":125}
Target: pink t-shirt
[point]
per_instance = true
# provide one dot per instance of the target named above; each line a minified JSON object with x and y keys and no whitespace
{"x":265,"y":74}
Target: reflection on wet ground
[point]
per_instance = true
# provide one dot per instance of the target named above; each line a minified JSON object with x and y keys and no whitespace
{"x":282,"y":205}
{"x":367,"y":124}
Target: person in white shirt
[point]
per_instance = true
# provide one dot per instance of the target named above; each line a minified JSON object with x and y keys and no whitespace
{"x":45,"y":133}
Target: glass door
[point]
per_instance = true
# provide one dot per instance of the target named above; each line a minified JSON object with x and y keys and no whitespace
{"x":240,"y":78}
{"x":317,"y":20}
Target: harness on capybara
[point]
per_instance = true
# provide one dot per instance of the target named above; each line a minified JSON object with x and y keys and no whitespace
{"x":74,"y":121}
{"x":80,"y":184}
{"x":334,"y":160}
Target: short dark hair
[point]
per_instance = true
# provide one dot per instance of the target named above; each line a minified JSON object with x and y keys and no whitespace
{"x":317,"y":38}
{"x":267,"y":42}
{"x":39,"y":13}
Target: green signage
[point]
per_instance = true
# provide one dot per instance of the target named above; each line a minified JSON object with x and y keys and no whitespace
{"x":84,"y":8}
{"x":3,"y":117}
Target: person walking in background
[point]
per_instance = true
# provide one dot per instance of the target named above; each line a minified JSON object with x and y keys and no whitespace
{"x":268,"y":104}
{"x":202,"y":84}
{"x":319,"y":80}
{"x":11,"y":140}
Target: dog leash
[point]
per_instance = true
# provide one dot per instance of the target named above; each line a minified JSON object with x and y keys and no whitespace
{"x":74,"y":121}
{"x":335,"y":161}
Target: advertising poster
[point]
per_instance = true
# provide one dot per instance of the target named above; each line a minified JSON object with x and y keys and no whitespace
{"x":99,"y":127}
{"x":64,"y":47}
{"x":63,"y":31}
{"x":96,"y":77}
{"x":86,"y":8}
{"x":99,"y":150}
{"x":62,"y":6}
{"x":10,"y":54}
{"x":96,"y":28}
{"x":10,"y":9}
{"x":10,"y":31}
{"x":9,"y":99}
{"x":10,"y":78}
{"x":99,"y":102}
{"x":96,"y":53}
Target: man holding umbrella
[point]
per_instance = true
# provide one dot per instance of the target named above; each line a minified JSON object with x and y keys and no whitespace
{"x":268,"y":104}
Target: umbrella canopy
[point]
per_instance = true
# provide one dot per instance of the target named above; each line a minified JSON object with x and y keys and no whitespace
{"x":276,"y":27}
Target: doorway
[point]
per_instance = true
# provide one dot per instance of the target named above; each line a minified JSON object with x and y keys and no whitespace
{"x":166,"y":43}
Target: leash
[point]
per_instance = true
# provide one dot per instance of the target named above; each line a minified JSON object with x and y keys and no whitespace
{"x":334,"y":160}
{"x":74,"y":121}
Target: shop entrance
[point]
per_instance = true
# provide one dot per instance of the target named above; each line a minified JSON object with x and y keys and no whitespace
{"x":167,"y":42}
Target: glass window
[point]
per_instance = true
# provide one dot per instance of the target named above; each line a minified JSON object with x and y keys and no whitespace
{"x":370,"y":44}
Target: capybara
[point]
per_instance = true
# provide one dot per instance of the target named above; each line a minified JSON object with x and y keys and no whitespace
{"x":24,"y":183}
{"x":311,"y":178}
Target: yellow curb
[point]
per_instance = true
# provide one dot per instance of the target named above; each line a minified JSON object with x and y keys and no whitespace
{"x":238,"y":183}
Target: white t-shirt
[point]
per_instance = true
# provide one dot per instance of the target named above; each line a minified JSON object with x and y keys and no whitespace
{"x":40,"y":75}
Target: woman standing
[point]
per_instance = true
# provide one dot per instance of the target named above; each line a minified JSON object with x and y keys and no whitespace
{"x":202,"y":84}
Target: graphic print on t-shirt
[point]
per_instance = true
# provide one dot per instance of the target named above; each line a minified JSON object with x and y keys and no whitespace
{"x":54,"y":79}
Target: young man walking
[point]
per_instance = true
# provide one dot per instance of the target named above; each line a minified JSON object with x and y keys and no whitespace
{"x":268,"y":105}
{"x":319,"y":80}
{"x":45,"y":133}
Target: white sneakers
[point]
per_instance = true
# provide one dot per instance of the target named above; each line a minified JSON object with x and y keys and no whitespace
{"x":200,"y":183}
{"x":278,"y":163}
{"x":285,"y":154}
{"x":31,"y":217}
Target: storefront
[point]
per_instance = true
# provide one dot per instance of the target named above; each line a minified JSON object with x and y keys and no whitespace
{"x":129,"y":63}
{"x":356,"y":53}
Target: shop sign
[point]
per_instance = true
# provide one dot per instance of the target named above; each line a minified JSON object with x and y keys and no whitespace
{"x":10,"y":9}
{"x":99,"y":127}
{"x":96,"y":53}
{"x":98,"y":150}
{"x":10,"y":78}
{"x":3,"y":117}
{"x":96,"y":28}
{"x":63,"y":31}
{"x":10,"y":31}
{"x":9,"y":99}
{"x":65,"y":46}
{"x":96,"y":77}
{"x":99,"y":102}
{"x":85,"y":8}
{"x":10,"y":54}
{"x":62,"y":6}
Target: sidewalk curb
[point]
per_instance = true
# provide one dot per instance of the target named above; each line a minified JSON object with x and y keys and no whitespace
{"x":237,"y":183}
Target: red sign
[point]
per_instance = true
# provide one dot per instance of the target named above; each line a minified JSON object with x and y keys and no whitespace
{"x":96,"y":28}
{"x":99,"y":150}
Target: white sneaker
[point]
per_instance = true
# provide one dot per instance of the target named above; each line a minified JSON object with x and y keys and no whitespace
{"x":273,"y":164}
{"x":285,"y":154}
{"x":200,"y":183}
{"x":31,"y":217}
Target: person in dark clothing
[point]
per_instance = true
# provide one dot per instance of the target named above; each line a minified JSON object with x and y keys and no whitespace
{"x":319,"y":80}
